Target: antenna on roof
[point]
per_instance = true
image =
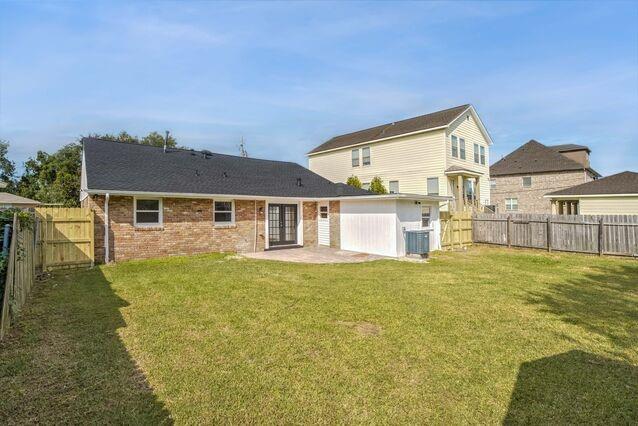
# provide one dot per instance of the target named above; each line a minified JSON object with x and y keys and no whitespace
{"x":242,"y":148}
{"x":166,"y":140}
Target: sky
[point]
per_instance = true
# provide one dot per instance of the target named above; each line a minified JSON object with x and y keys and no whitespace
{"x":288,"y":76}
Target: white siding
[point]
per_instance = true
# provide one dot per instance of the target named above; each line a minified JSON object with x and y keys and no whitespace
{"x":409,"y":160}
{"x":369,"y":227}
{"x":609,"y":205}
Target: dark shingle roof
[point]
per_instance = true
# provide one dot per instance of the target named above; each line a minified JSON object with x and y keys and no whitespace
{"x":567,"y":147}
{"x":422,"y":122}
{"x":621,"y":183}
{"x":533,"y":157}
{"x":116,"y":166}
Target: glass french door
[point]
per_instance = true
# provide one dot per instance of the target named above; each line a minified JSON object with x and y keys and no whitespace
{"x":282,"y":224}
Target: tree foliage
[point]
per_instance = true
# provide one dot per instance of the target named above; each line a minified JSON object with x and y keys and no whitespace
{"x":376,"y":185}
{"x":7,"y":167}
{"x":354,"y":181}
{"x":153,"y":139}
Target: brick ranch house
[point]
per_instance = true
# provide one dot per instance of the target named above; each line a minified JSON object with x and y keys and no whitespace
{"x":520,"y":180}
{"x":154,"y":202}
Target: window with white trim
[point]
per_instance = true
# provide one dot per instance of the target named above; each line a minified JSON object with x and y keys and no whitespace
{"x":148,"y":211}
{"x":462,"y":146}
{"x":482,"y":155}
{"x":355,"y":158}
{"x":476,"y":153}
{"x":224,"y":212}
{"x":492,"y":183}
{"x":365,"y":153}
{"x":511,"y":204}
{"x":455,"y":147}
{"x":393,"y":187}
{"x":425,"y":216}
{"x":527,"y":181}
{"x":433,"y":186}
{"x":366,"y":186}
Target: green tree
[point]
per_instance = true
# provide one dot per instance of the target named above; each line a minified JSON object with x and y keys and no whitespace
{"x":354,"y":181}
{"x":376,"y":185}
{"x":7,"y":167}
{"x":153,"y":138}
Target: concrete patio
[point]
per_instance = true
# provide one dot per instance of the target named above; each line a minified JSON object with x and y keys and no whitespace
{"x":314,"y":255}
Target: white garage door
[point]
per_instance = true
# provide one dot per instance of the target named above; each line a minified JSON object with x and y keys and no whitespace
{"x":323,"y":225}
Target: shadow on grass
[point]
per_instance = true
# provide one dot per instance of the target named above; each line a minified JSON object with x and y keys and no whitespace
{"x":604,"y":302}
{"x":574,"y":387}
{"x":65,"y":362}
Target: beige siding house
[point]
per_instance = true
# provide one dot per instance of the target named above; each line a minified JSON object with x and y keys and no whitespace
{"x":442,"y":153}
{"x":616,"y":194}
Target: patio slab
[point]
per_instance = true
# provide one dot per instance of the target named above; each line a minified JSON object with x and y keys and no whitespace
{"x":315,"y":255}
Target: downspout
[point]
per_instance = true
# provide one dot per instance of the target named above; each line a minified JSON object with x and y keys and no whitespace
{"x":255,"y":242}
{"x":106,"y":228}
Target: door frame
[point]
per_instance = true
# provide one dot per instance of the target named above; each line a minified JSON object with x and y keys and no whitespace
{"x":299,"y":205}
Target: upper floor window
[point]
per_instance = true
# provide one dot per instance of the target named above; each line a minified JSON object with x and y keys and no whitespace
{"x":366,"y":156}
{"x":492,"y":183}
{"x":476,"y":153}
{"x":148,"y":212}
{"x":482,"y":155}
{"x":511,"y":204}
{"x":527,"y":181}
{"x":462,"y":146}
{"x":355,"y":157}
{"x":366,"y":186}
{"x":394,"y":187}
{"x":455,"y":147}
{"x":433,"y":186}
{"x":224,"y":212}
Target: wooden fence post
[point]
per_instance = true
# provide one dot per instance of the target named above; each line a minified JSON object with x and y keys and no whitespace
{"x":549,"y":233}
{"x":509,"y":230}
{"x":600,"y":236}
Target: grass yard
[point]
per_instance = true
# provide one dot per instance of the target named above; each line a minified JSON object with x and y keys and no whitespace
{"x":487,"y":336}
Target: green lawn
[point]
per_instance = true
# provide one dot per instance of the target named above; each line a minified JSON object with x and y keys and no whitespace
{"x":487,"y":336}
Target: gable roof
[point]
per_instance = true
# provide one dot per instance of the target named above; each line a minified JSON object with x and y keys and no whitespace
{"x":6,"y":198}
{"x":567,"y":147}
{"x":123,"y":167}
{"x":423,"y":122}
{"x":534,"y":157}
{"x":621,"y":183}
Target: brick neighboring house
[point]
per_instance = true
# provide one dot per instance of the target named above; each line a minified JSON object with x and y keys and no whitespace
{"x":520,"y":180}
{"x":155,"y":202}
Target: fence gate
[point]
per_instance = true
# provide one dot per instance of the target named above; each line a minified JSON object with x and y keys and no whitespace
{"x":456,"y":229}
{"x":64,"y":237}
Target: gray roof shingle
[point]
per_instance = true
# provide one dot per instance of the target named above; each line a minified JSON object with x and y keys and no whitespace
{"x":621,"y":183}
{"x":117,"y":166}
{"x":567,"y":147}
{"x":422,"y":122}
{"x":534,"y":157}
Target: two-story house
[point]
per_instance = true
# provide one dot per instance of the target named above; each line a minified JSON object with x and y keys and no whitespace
{"x":441,"y":153}
{"x":520,"y":180}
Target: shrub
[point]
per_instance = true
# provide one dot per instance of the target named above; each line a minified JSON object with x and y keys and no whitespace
{"x":354,"y":181}
{"x":376,"y":185}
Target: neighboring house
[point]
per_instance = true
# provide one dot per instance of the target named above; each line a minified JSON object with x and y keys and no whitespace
{"x":616,"y":194}
{"x":10,"y":200}
{"x":442,"y":153}
{"x":520,"y":180}
{"x":152,"y":202}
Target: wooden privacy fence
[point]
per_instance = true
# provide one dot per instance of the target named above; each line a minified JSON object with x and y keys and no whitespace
{"x":20,"y":273}
{"x":456,"y":229}
{"x":601,"y":234}
{"x":65,"y":237}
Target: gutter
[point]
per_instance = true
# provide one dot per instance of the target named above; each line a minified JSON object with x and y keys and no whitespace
{"x":590,"y":195}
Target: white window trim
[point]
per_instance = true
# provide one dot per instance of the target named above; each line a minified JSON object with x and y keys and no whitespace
{"x":429,"y":216}
{"x":232,"y":212}
{"x":390,"y":186}
{"x":363,"y":164}
{"x":452,"y":137}
{"x":477,"y":154}
{"x":507,"y":208}
{"x":427,"y":185}
{"x":482,"y":155}
{"x":352,"y":158}
{"x":462,"y":152}
{"x":148,"y":225}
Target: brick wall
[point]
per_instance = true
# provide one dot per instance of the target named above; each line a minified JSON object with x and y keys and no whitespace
{"x":334,"y":209}
{"x":309,"y":223}
{"x":530,"y":200}
{"x":187,"y":229}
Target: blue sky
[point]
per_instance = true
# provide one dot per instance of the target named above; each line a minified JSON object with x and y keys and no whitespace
{"x":288,"y":76}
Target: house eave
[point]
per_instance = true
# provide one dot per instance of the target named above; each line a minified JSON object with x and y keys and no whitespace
{"x":572,"y":196}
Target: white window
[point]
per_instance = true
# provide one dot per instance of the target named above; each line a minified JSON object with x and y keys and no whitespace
{"x":323,"y":212}
{"x":492,"y":183}
{"x":462,"y":145}
{"x":365,"y":153}
{"x":224,"y":212}
{"x":148,"y":212}
{"x":433,"y":186}
{"x":366,"y":186}
{"x":455,"y":147}
{"x":425,"y":216}
{"x":476,"y":153}
{"x":394,"y":187}
{"x":511,"y":204}
{"x":483,"y":155}
{"x":527,"y":181}
{"x":355,"y":158}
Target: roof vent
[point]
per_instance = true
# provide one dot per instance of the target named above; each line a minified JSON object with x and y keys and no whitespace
{"x":225,"y":174}
{"x":299,"y":182}
{"x":207,"y":153}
